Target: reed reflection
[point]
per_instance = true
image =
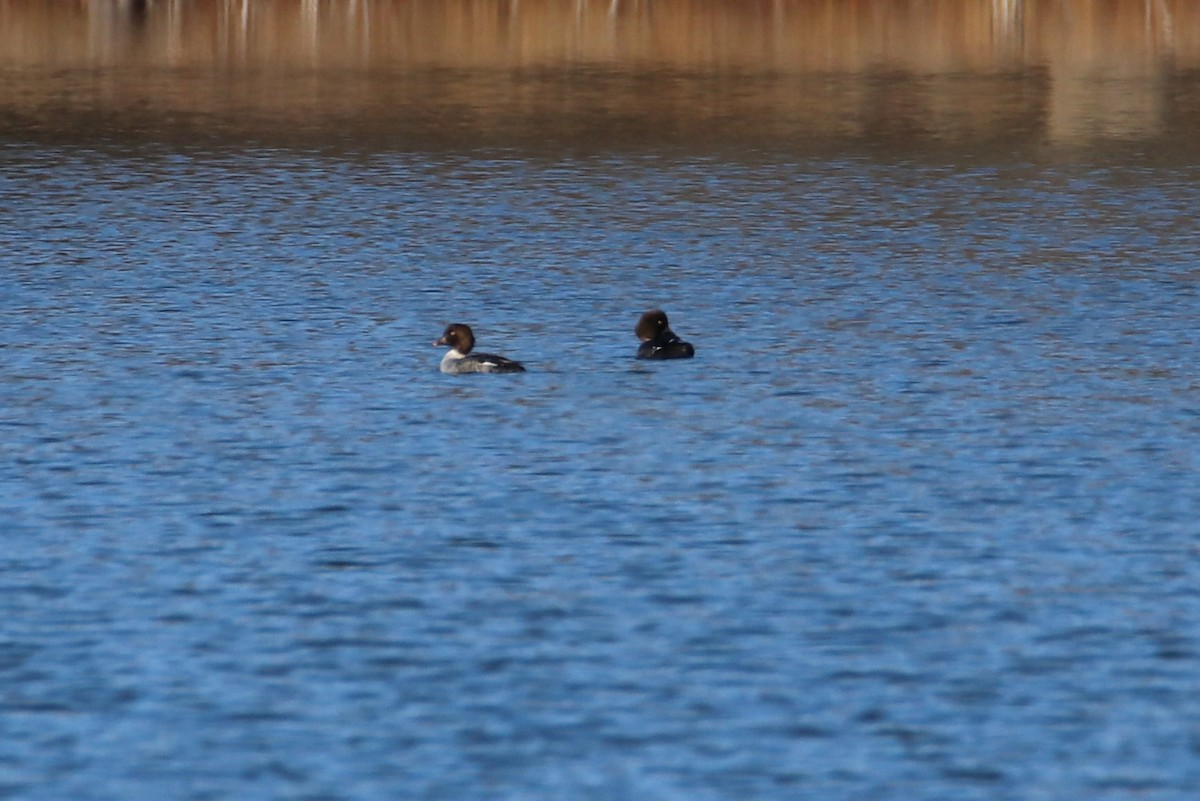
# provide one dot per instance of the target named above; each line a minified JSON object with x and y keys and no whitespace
{"x":1068,"y":71}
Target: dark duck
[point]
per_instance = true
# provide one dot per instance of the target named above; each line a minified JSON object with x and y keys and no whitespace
{"x":658,"y":340}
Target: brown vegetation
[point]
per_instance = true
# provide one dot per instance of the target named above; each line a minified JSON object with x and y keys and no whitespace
{"x":804,"y":35}
{"x":816,"y":64}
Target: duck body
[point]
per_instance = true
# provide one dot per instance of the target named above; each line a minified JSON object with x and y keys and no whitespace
{"x":658,"y":340}
{"x":460,"y":359}
{"x":455,"y":363}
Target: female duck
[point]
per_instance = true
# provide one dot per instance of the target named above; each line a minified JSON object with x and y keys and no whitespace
{"x":658,"y":340}
{"x":459,"y":359}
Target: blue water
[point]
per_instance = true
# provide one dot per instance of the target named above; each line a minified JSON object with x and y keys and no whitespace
{"x":919,"y":521}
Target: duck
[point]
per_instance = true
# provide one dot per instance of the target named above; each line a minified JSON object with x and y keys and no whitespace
{"x":460,"y":360}
{"x":658,"y":340}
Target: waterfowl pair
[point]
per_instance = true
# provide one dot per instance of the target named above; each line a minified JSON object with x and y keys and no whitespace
{"x":657,"y":338}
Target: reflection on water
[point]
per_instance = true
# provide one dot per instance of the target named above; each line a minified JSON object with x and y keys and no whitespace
{"x":999,"y":72}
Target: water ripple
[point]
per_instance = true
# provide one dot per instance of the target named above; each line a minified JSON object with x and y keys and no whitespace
{"x":918,"y":519}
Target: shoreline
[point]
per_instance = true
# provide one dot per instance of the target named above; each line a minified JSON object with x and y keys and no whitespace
{"x":765,"y":74}
{"x":791,"y":36}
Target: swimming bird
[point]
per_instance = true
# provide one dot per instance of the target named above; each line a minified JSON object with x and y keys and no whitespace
{"x":459,"y":359}
{"x":658,"y":340}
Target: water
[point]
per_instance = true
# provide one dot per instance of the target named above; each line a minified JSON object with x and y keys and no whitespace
{"x":918,"y":521}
